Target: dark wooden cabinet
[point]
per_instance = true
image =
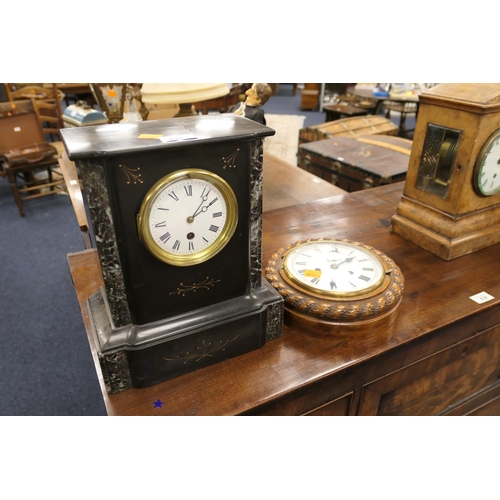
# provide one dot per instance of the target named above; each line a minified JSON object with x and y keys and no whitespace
{"x":310,"y":96}
{"x":356,"y":163}
{"x":441,"y":356}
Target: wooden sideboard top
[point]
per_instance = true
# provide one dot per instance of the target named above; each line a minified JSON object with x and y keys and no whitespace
{"x":436,"y":296}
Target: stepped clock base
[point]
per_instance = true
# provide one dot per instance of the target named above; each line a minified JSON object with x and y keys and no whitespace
{"x":445,"y":235}
{"x":138,"y":356}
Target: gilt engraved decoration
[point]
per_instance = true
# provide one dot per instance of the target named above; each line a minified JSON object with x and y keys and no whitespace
{"x":230,"y":161}
{"x":206,"y":284}
{"x":131,"y":174}
{"x":205,"y":350}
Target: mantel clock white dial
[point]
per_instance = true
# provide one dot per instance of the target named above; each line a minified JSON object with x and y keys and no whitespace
{"x":187,"y":217}
{"x":487,"y":170}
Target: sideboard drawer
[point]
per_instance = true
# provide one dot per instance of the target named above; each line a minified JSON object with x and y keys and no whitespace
{"x":431,"y":385}
{"x":336,"y":408}
{"x":325,"y":397}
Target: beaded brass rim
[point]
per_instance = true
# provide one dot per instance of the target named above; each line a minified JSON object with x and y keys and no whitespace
{"x":216,"y":246}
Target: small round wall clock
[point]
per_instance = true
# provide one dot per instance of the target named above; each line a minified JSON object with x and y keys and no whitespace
{"x":332,"y":286}
{"x":187,"y":217}
{"x":487,"y":168}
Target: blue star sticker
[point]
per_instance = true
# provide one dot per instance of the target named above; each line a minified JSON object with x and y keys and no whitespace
{"x":157,"y":404}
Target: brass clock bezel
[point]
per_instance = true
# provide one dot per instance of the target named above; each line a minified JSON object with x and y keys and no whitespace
{"x":327,"y":293}
{"x":481,"y":157}
{"x":208,"y":252}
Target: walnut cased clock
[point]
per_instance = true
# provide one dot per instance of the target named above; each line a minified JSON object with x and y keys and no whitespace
{"x":176,"y":210}
{"x":451,"y":199}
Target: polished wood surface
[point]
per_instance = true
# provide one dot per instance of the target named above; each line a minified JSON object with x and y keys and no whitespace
{"x":338,"y":111}
{"x":286,"y":185}
{"x":70,"y":174}
{"x":440,"y":356}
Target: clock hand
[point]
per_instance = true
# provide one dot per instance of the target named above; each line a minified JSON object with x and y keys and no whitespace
{"x":348,"y":259}
{"x":203,"y":209}
{"x":198,"y":211}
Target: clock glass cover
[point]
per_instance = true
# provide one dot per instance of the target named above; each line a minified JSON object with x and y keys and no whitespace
{"x":334,"y":268}
{"x":487,"y":172}
{"x":187,"y":217}
{"x":438,"y":159}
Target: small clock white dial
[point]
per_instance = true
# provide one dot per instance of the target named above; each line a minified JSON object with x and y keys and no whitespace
{"x":334,"y":268}
{"x":487,"y":174}
{"x":188,"y":217}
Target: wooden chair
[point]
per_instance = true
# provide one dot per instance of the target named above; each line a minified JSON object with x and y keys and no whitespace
{"x":50,"y":120}
{"x":46,"y":101}
{"x":40,"y":92}
{"x":404,"y":109}
{"x":31,"y":162}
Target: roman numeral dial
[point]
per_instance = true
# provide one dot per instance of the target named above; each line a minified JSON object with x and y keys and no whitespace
{"x":187,"y":217}
{"x":335,"y":287}
{"x":334,"y":267}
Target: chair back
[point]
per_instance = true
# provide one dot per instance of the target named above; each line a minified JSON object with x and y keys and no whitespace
{"x":38,"y":92}
{"x":20,"y":130}
{"x":49,"y":119}
{"x":46,"y":101}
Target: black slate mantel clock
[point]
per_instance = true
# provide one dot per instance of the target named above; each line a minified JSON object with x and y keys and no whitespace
{"x":176,"y":210}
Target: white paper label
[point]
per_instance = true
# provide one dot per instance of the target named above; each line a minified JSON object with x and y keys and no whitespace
{"x":482,"y":297}
{"x":176,"y":138}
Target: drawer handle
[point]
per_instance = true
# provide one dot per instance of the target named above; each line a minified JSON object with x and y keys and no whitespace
{"x":464,"y":352}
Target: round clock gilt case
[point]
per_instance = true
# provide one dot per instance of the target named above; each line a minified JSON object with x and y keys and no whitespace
{"x":332,"y":286}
